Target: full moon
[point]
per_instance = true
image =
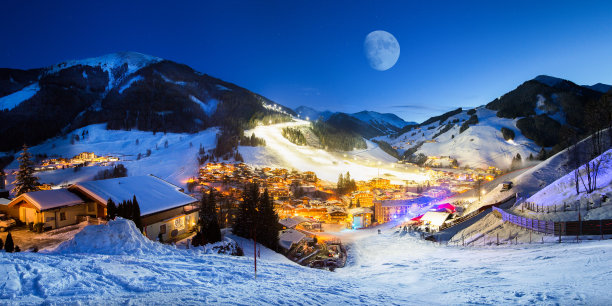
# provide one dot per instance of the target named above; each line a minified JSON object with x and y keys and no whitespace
{"x":382,"y":50}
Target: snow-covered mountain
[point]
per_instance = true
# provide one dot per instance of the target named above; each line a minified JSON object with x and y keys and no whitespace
{"x":537,"y":114}
{"x":125,"y":90}
{"x":480,"y":144}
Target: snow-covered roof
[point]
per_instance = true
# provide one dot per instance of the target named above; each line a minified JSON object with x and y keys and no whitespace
{"x":360,"y":210}
{"x":435,"y":218}
{"x":48,"y":199}
{"x":153,"y":194}
{"x":289,"y":237}
{"x":4,"y":201}
{"x":293,"y":222}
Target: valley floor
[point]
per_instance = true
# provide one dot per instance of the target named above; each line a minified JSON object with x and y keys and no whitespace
{"x":382,"y":269}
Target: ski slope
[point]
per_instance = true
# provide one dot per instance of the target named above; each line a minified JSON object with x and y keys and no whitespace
{"x":175,"y":164}
{"x":480,"y":146}
{"x":362,"y":164}
{"x":409,"y":271}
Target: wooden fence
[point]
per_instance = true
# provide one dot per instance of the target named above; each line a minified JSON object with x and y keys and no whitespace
{"x":569,"y":228}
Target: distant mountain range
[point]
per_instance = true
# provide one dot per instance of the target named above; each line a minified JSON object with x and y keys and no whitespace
{"x":366,"y":123}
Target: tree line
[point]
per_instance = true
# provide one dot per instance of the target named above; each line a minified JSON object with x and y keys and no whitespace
{"x":127,"y":209}
{"x":257,"y":219}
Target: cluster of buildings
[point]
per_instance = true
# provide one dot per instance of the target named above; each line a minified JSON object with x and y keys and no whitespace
{"x":81,"y":159}
{"x":166,"y":211}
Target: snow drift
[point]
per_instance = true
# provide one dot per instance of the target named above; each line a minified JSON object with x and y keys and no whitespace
{"x":118,"y":237}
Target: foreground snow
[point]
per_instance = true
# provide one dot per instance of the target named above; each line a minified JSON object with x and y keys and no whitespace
{"x":409,"y":271}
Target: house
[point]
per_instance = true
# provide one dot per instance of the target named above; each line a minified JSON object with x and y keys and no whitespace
{"x":290,"y":238}
{"x":54,"y":208}
{"x":360,"y":217}
{"x":434,"y":219}
{"x":389,"y":210}
{"x":293,"y":222}
{"x":164,"y":208}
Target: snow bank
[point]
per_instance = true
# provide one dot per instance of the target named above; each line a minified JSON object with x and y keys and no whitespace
{"x":118,"y":237}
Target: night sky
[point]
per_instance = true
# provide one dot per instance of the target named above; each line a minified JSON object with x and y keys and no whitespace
{"x":464,"y":53}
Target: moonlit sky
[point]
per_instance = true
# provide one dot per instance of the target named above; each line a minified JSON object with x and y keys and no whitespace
{"x":460,"y":53}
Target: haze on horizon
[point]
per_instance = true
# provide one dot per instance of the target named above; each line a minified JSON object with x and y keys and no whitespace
{"x":311,"y":53}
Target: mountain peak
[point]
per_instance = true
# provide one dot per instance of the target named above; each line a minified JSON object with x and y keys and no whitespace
{"x":548,"y":80}
{"x":600,"y":87}
{"x":134,"y":61}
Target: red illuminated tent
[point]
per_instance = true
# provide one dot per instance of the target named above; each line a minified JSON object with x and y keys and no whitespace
{"x":417,"y":218}
{"x":445,"y":207}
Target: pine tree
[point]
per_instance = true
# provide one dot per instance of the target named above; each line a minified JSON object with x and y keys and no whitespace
{"x":25,"y":181}
{"x":358,"y":203}
{"x":209,"y":231}
{"x":111,"y":209}
{"x":136,"y":214}
{"x":214,"y":231}
{"x":246,"y":215}
{"x":267,"y":226}
{"x":9,"y":246}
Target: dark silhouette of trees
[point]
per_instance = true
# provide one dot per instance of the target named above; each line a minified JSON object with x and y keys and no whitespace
{"x":25,"y":181}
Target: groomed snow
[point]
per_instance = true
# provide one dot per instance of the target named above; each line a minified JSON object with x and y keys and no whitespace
{"x":11,"y":101}
{"x":117,"y":268}
{"x":130,"y":82}
{"x":362,"y":164}
{"x":209,"y":107}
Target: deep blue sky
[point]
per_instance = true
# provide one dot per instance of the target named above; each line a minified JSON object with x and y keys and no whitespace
{"x":460,"y":53}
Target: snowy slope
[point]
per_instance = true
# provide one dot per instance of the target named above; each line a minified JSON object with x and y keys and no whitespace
{"x":534,"y":179}
{"x":410,"y":271}
{"x":175,"y":164}
{"x":562,"y":191}
{"x":362,"y":164}
{"x":11,"y":101}
{"x":481,"y":145}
